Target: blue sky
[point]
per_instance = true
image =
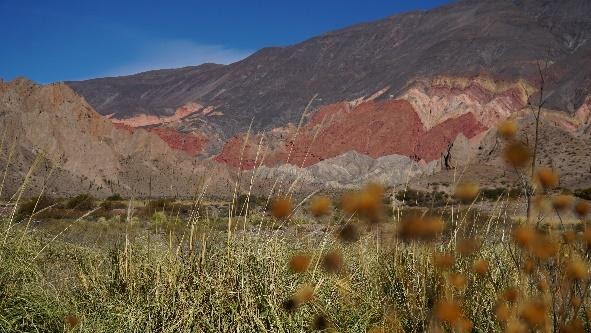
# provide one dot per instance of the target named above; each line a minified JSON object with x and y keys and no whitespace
{"x":50,"y":41}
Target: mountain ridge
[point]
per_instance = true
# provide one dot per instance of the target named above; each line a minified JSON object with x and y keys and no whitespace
{"x":428,"y":87}
{"x":274,"y":84}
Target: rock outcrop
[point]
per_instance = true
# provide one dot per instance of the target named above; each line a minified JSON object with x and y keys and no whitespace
{"x":57,"y":125}
{"x":373,"y":128}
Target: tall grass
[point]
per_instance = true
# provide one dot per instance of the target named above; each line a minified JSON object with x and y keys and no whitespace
{"x":147,"y":285}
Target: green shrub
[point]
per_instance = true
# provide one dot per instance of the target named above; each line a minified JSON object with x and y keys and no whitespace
{"x":158,"y":205}
{"x":159,"y":219}
{"x":495,"y":193}
{"x":110,"y":205}
{"x":114,"y":197}
{"x":33,"y":205}
{"x":413,"y":197}
{"x":81,"y":202}
{"x":240,"y":204}
{"x":584,"y":193}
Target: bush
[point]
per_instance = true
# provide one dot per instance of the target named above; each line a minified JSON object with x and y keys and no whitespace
{"x":81,"y":202}
{"x":114,"y":197}
{"x":33,"y":205}
{"x":161,"y":221}
{"x":110,"y":205}
{"x":169,"y":206}
{"x":419,"y":198}
{"x":159,"y":205}
{"x":584,"y":193}
{"x":495,"y":193}
{"x":253,"y":202}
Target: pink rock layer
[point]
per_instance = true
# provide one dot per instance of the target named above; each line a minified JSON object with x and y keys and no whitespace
{"x":148,"y":120}
{"x":371,"y":128}
{"x":192,"y":144}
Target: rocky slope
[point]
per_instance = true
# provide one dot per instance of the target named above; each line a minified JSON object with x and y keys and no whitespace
{"x":561,"y":148}
{"x":373,"y":128}
{"x":348,"y":170}
{"x":502,"y":38}
{"x":57,"y":128}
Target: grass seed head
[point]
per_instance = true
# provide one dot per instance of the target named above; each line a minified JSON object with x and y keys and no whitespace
{"x":529,"y":266}
{"x":511,"y":294}
{"x":290,"y":304}
{"x":547,"y":177}
{"x":349,"y":202}
{"x":481,"y":267}
{"x":72,"y":321}
{"x":304,"y":294}
{"x":371,"y":202}
{"x":573,"y":326}
{"x":420,"y":228}
{"x":534,"y":313}
{"x":457,"y":280}
{"x":507,"y":129}
{"x":569,"y":236}
{"x":582,"y":208}
{"x":333,"y":262}
{"x":368,"y":203}
{"x":542,"y":285}
{"x":349,"y":233}
{"x":281,"y":207}
{"x":544,"y":248}
{"x":448,"y":311}
{"x":443,"y":261}
{"x":466,"y":192}
{"x":468,"y":246}
{"x":320,"y":206}
{"x":524,"y":236}
{"x":576,"y":270}
{"x":320,"y":323}
{"x":502,"y":312}
{"x":516,"y":154}
{"x":299,"y":263}
{"x":562,"y":202}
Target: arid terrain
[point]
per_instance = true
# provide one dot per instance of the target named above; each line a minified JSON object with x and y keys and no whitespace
{"x":426,"y":172}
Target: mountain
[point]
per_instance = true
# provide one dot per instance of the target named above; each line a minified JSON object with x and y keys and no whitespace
{"x":498,"y":37}
{"x":348,"y":105}
{"x":52,"y":139}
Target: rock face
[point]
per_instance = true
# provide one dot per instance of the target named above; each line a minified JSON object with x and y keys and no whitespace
{"x":192,"y":144}
{"x":489,"y":100}
{"x":348,"y":170}
{"x":83,"y":150}
{"x":372,"y":128}
{"x":143,"y":120}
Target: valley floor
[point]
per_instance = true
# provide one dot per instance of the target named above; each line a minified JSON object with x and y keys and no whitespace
{"x":185,"y":272}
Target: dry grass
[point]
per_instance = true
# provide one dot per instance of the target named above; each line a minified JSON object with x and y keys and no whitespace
{"x":429,"y":277}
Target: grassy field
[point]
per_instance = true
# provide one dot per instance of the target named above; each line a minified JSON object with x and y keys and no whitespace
{"x":381,"y":269}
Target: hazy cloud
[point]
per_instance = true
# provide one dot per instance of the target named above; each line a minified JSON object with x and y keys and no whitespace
{"x":175,"y":54}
